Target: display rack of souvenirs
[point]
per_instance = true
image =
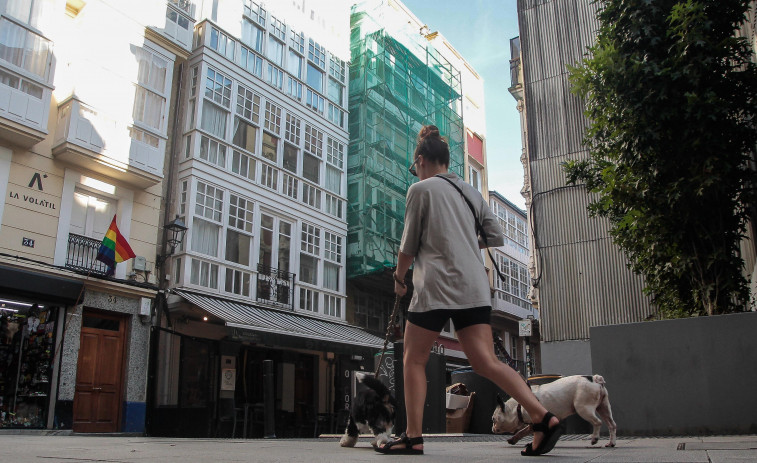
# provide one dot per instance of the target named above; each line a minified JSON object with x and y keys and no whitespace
{"x":26,"y":350}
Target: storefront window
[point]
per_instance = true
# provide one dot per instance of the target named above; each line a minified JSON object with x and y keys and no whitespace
{"x":195,"y":383}
{"x":27,"y":342}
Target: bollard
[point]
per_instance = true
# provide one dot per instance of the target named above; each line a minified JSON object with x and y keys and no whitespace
{"x":268,"y":397}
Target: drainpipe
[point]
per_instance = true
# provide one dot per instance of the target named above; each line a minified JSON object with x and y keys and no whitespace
{"x":160,"y":300}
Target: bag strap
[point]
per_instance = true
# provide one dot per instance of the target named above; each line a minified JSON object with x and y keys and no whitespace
{"x":479,"y":228}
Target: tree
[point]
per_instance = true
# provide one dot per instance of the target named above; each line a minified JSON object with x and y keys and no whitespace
{"x":671,"y":95}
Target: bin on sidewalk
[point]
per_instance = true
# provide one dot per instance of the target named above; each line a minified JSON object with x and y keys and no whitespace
{"x":485,"y":402}
{"x":459,"y":411}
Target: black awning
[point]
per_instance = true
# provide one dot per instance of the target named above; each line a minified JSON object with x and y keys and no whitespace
{"x":259,"y":319}
{"x":34,"y":285}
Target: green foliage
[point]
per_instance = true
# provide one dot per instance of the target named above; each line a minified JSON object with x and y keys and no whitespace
{"x":671,"y":94}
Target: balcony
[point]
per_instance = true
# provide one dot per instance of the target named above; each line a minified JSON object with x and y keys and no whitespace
{"x":275,"y":287}
{"x":108,"y":147}
{"x":25,"y":84}
{"x":82,"y":253}
{"x":177,"y":33}
{"x":514,"y":307}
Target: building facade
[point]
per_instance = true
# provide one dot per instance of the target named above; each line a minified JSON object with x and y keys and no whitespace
{"x":260,"y":180}
{"x":84,"y":130}
{"x":230,"y":118}
{"x":474,"y":155}
{"x":398,"y":83}
{"x":511,"y":306}
{"x":581,"y":278}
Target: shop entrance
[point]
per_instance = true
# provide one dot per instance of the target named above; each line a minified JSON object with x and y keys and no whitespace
{"x":99,"y":373}
{"x":27,"y":340}
{"x":295,"y":391}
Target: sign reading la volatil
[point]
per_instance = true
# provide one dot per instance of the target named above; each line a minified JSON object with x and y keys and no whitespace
{"x":33,"y":195}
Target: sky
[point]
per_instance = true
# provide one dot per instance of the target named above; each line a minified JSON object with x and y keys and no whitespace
{"x":481,"y":32}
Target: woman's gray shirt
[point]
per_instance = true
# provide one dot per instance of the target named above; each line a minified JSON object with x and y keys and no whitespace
{"x":440,"y":233}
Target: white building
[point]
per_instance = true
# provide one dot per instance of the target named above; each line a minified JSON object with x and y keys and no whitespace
{"x":260,"y":181}
{"x":510,"y":299}
{"x":85,"y":119}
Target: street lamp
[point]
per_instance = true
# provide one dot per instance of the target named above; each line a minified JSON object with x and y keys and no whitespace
{"x":175,"y":231}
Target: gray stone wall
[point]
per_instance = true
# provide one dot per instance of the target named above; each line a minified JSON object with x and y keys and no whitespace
{"x":137,"y":344}
{"x":566,"y":357}
{"x":680,"y":377}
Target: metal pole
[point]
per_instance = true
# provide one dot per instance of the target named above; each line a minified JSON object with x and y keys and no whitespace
{"x":268,"y":397}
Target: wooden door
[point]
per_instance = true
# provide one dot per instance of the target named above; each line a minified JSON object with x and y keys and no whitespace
{"x":99,"y":373}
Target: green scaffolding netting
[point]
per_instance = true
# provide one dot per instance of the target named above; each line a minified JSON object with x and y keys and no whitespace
{"x":398,"y":83}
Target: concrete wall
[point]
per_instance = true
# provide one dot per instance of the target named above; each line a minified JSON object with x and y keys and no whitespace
{"x":566,"y":357}
{"x":680,"y":377}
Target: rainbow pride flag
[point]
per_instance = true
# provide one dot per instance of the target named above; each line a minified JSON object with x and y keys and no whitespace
{"x":114,"y":248}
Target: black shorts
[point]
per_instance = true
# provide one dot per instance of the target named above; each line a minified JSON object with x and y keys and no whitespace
{"x":435,"y":320}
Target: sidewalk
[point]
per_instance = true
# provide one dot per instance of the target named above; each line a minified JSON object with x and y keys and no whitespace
{"x":35,"y":447}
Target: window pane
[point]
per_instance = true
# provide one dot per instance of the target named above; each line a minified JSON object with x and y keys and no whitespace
{"x":266,"y":240}
{"x":308,"y":269}
{"x":294,"y":64}
{"x":335,"y":92}
{"x":275,"y":51}
{"x":238,"y":247}
{"x":310,"y":168}
{"x":333,"y":179}
{"x":205,"y":237}
{"x":331,"y":276}
{"x":315,"y":78}
{"x":148,"y":107}
{"x":270,"y":146}
{"x":290,"y":158}
{"x":252,"y":36}
{"x":285,"y":244}
{"x":245,"y":135}
{"x":213,"y":120}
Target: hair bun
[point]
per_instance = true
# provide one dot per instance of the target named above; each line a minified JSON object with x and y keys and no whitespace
{"x":428,"y":131}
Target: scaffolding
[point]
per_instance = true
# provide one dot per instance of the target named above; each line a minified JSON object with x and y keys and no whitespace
{"x":398,"y":83}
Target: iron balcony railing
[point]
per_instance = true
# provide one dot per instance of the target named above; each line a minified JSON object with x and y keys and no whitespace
{"x":82,"y":253}
{"x":275,"y":287}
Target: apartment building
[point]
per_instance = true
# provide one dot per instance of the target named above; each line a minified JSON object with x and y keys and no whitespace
{"x":514,"y":319}
{"x":398,"y":83}
{"x":261,"y":183}
{"x":85,"y":110}
{"x":474,"y":147}
{"x":581,"y":278}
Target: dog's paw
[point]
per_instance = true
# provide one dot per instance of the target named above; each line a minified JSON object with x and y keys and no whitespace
{"x":381,"y":439}
{"x":610,"y":444}
{"x":347,"y":441}
{"x":512,"y":441}
{"x":594,"y":441}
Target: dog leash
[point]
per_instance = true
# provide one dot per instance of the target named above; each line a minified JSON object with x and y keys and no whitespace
{"x":389,"y":326}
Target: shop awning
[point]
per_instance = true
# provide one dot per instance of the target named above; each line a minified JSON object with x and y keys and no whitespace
{"x":34,"y":285}
{"x":250,"y":317}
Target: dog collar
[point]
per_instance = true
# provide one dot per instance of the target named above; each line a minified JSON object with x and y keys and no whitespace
{"x":520,"y":415}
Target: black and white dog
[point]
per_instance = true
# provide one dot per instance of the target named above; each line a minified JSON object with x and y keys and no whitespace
{"x":373,"y":411}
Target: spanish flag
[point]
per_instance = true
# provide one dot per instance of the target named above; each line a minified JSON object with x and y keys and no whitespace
{"x":114,"y":248}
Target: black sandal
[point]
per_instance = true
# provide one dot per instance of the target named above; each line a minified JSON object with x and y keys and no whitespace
{"x":551,"y":436}
{"x":409,"y":442}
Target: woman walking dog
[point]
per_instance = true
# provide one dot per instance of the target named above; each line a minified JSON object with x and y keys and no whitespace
{"x":450,"y":282}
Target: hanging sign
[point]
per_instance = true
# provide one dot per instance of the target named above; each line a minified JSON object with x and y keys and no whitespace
{"x":524,"y":327}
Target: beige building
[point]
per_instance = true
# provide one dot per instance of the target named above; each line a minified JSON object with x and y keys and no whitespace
{"x":85,"y":113}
